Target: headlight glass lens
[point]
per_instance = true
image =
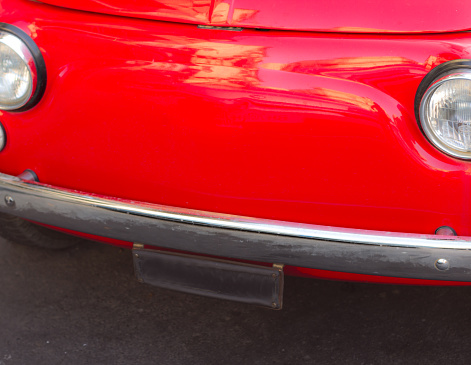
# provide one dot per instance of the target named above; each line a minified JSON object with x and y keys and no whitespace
{"x":445,"y":114}
{"x":16,"y":81}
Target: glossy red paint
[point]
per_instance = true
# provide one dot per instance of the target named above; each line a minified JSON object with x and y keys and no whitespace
{"x":361,"y":16}
{"x":193,"y":11}
{"x":294,"y":126}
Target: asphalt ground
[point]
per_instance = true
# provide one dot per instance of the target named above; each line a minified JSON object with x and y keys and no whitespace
{"x":84,"y":306}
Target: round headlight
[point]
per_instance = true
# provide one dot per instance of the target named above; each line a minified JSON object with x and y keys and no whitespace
{"x":22,"y":70}
{"x":445,"y":113}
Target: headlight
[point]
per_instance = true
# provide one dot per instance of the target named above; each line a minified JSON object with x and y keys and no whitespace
{"x":445,"y":113}
{"x":22,"y":70}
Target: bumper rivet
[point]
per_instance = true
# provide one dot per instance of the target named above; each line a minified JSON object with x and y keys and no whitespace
{"x":442,"y":264}
{"x":9,"y":201}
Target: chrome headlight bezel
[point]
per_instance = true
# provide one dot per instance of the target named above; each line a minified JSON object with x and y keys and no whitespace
{"x":27,"y":50}
{"x":3,"y":137}
{"x":446,"y":72}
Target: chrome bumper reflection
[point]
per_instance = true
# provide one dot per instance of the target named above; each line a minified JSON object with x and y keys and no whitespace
{"x":304,"y":245}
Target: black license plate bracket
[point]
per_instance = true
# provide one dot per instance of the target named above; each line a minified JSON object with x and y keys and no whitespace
{"x":223,"y":279}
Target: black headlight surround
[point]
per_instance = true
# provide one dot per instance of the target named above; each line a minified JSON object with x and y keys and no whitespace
{"x":38,"y":61}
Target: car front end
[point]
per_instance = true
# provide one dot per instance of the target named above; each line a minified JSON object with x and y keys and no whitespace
{"x":336,"y":148}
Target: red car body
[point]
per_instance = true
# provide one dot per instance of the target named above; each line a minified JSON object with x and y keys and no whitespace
{"x":293,"y":111}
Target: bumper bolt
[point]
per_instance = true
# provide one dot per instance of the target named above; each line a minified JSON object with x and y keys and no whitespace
{"x":442,"y":264}
{"x":9,"y":201}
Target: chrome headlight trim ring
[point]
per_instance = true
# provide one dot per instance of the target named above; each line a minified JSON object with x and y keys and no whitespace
{"x":3,"y":137}
{"x":448,"y":71}
{"x":22,"y":44}
{"x":423,"y":112}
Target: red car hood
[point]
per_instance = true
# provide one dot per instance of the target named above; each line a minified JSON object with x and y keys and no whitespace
{"x":357,"y":16}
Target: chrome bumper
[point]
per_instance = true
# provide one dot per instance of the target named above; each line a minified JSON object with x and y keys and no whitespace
{"x":303,"y":245}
